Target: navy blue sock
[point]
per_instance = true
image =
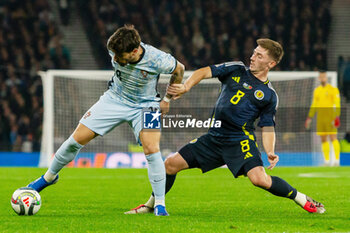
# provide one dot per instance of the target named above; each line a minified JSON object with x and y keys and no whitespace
{"x":281,"y":188}
{"x":170,"y":179}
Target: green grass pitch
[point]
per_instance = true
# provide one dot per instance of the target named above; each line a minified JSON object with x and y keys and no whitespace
{"x":93,"y":200}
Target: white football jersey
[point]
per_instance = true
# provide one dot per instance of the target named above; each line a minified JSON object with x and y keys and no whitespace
{"x":137,"y":83}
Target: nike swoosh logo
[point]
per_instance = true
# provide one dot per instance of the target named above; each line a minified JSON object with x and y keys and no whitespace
{"x":158,"y":180}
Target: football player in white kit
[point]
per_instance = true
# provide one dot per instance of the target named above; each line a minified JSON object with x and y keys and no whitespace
{"x":132,"y":89}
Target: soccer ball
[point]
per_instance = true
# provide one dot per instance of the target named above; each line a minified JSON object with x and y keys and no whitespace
{"x":26,"y":201}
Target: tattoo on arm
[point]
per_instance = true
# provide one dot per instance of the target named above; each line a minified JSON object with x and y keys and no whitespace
{"x":176,"y":78}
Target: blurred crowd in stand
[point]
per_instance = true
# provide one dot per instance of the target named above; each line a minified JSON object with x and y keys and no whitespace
{"x":344,"y":76}
{"x":29,"y":41}
{"x":202,"y":32}
{"x":196,"y":32}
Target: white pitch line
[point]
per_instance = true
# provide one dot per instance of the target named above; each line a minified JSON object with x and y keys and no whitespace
{"x":320,"y":175}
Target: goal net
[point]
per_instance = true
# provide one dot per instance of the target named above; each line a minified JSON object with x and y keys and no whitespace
{"x":68,"y":94}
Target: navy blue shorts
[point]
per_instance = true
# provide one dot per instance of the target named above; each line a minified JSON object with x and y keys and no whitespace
{"x":208,"y":152}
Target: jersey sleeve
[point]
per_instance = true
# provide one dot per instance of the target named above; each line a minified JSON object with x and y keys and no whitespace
{"x":267,"y":116}
{"x":165,"y":63}
{"x":221,"y":70}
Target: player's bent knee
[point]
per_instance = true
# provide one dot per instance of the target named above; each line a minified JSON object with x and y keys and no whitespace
{"x":150,"y":149}
{"x":259,"y":182}
{"x":170,"y":167}
{"x":324,"y":138}
{"x":171,"y":170}
{"x":83,"y":135}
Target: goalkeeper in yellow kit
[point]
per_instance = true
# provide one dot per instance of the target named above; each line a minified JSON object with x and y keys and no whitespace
{"x":326,"y":103}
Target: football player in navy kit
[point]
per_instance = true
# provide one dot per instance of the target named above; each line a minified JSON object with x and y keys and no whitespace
{"x":246,"y":94}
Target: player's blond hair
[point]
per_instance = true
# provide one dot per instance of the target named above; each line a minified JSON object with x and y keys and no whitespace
{"x":275,"y":49}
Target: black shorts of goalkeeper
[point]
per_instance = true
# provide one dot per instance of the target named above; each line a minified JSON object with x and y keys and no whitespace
{"x":209,"y":152}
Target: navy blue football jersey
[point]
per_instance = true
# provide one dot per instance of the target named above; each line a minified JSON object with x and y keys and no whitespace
{"x":242,"y":100}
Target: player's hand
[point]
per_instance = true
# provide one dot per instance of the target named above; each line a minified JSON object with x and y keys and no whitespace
{"x":176,"y":90}
{"x":308,"y":123}
{"x":164,"y":107}
{"x":273,"y":160}
{"x":336,"y":122}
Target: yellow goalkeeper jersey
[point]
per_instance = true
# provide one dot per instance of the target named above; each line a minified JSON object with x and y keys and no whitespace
{"x":325,"y":102}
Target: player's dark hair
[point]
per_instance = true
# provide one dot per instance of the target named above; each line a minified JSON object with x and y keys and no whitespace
{"x":274,"y":48}
{"x":124,"y":40}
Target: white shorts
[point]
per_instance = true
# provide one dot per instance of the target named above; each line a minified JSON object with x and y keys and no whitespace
{"x":109,"y":112}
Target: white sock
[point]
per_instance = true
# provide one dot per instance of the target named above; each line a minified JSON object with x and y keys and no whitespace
{"x":159,"y":202}
{"x":65,"y":154}
{"x":150,"y":202}
{"x":156,"y":175}
{"x":300,"y":198}
{"x":49,"y":177}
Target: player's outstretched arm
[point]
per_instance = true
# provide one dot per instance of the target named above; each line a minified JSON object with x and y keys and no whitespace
{"x":179,"y":89}
{"x":269,"y":139}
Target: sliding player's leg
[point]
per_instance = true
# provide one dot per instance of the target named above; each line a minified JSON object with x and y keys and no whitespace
{"x":281,"y":188}
{"x":64,"y":155}
{"x":244,"y":158}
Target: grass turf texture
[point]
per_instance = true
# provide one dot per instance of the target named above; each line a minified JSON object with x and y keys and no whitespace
{"x":93,"y":200}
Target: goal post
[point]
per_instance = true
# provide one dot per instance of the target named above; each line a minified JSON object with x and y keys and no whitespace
{"x":68,"y":94}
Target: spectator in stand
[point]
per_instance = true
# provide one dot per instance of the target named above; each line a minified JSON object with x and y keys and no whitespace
{"x":59,"y":54}
{"x":26,"y":28}
{"x":346,"y":81}
{"x":64,"y":11}
{"x":207,"y":25}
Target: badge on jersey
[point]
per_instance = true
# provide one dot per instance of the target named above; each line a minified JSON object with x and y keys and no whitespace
{"x":247,"y":86}
{"x":151,"y":119}
{"x":144,"y":73}
{"x":259,"y":94}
